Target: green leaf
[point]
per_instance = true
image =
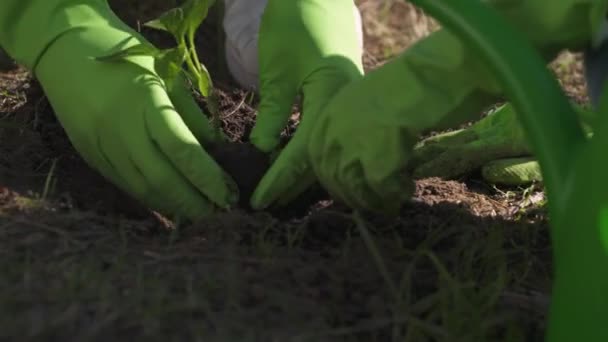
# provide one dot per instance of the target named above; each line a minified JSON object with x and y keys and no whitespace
{"x":168,"y":64}
{"x":171,"y":21}
{"x":204,"y":81}
{"x":182,"y":20}
{"x":136,"y":50}
{"x":196,"y":11}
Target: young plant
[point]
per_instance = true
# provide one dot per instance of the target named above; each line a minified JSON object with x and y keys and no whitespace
{"x":181,"y":22}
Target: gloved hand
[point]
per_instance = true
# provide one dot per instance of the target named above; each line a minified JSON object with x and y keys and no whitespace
{"x":496,"y":144}
{"x":362,"y":142}
{"x":454,"y":154}
{"x":310,"y":48}
{"x":241,"y":23}
{"x":120,"y":116}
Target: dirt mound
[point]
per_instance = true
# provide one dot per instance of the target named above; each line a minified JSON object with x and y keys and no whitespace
{"x":463,"y":261}
{"x":435,"y":191}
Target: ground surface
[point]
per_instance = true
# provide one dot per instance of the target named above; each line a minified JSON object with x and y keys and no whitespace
{"x":465,"y":261}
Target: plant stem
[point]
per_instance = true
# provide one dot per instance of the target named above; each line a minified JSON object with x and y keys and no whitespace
{"x":194,"y":65}
{"x":191,"y":65}
{"x":192,"y":51}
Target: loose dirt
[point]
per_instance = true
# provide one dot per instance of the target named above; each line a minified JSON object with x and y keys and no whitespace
{"x":463,"y":260}
{"x":244,"y":163}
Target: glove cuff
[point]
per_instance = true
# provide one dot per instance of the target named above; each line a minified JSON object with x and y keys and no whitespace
{"x":28,"y":28}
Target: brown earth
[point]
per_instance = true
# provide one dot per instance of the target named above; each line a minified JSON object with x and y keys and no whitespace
{"x":464,"y":261}
{"x":232,"y":156}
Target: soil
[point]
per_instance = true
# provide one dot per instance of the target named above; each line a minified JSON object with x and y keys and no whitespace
{"x":247,"y":165}
{"x":81,"y":260}
{"x":6,"y":63}
{"x":244,"y":163}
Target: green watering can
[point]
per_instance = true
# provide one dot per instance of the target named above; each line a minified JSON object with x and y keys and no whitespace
{"x":573,"y":166}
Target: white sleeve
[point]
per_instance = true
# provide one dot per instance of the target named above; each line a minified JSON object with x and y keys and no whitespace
{"x":242,"y":23}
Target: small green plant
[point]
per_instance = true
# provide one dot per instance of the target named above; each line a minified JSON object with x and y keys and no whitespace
{"x":181,"y":22}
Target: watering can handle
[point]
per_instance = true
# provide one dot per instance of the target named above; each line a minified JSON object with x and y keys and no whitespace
{"x":547,"y":116}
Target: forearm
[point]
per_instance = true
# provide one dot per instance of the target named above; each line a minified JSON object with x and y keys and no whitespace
{"x":439,"y":83}
{"x":28,"y":27}
{"x":19,"y":19}
{"x":552,"y":25}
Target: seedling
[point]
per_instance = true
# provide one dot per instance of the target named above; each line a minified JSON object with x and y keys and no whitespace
{"x":182,"y":23}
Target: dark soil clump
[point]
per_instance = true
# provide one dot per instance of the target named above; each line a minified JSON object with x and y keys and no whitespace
{"x":244,"y":163}
{"x":247,"y":165}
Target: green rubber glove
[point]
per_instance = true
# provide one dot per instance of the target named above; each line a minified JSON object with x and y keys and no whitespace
{"x":119,"y":116}
{"x":309,"y":48}
{"x":453,"y":154}
{"x":496,"y":144}
{"x":362,"y":142}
